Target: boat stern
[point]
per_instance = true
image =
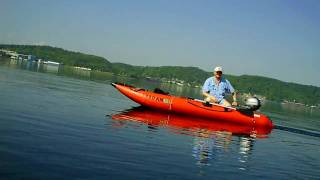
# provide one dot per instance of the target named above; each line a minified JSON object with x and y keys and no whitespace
{"x":262,"y":121}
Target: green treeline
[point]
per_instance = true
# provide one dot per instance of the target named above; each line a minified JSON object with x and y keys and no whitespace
{"x":49,"y":53}
{"x":191,"y":75}
{"x":270,"y":88}
{"x":276,"y":90}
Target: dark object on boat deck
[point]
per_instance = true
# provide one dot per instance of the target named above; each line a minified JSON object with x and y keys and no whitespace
{"x":207,"y":104}
{"x":160,"y":91}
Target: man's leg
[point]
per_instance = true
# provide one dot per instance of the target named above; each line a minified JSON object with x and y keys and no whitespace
{"x":210,"y":99}
{"x":224,"y":102}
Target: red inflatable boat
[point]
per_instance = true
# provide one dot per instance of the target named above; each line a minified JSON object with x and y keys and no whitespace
{"x":193,"y":107}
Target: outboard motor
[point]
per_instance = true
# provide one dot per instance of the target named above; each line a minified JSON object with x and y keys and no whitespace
{"x":253,"y":103}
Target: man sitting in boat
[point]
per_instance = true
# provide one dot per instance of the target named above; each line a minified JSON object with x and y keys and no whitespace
{"x":216,"y":87}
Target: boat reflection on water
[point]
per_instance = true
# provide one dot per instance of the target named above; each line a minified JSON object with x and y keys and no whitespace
{"x":188,"y":124}
{"x":211,"y":137}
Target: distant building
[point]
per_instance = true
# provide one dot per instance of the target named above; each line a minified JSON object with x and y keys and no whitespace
{"x":51,"y":62}
{"x":15,"y":55}
{"x":32,"y":58}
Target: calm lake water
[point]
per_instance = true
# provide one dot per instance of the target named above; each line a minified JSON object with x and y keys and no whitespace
{"x":56,"y":123}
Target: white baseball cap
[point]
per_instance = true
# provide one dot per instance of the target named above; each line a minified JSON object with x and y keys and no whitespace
{"x":218,"y":68}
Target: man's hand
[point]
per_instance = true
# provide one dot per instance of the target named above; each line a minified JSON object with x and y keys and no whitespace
{"x":234,"y":96}
{"x":234,"y":103}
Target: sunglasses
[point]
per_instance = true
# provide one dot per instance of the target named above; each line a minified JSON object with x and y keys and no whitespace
{"x":218,"y":72}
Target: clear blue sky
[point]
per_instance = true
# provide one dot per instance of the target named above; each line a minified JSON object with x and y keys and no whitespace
{"x":273,"y":38}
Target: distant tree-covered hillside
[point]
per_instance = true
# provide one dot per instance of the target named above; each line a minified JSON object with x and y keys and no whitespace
{"x":63,"y":56}
{"x":192,"y":75}
{"x":277,"y":90}
{"x":270,"y":88}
